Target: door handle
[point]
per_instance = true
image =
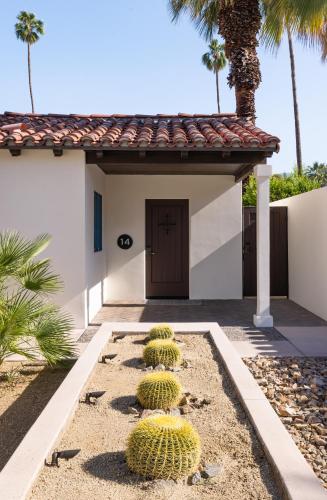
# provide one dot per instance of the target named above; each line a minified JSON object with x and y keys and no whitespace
{"x":150,"y":251}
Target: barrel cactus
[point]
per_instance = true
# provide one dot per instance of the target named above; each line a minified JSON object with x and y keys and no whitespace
{"x":159,"y":390}
{"x":163,"y":447}
{"x":161,"y":332}
{"x":164,"y":352}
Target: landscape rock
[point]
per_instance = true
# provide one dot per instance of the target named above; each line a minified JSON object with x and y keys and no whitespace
{"x":148,"y":369}
{"x":150,"y":413}
{"x":196,"y":478}
{"x":160,"y":368}
{"x":297,"y":390}
{"x":286,"y":411}
{"x":183,"y":401}
{"x":175,"y":412}
{"x":211,"y":470}
{"x":132,"y":411}
{"x":185,"y":409}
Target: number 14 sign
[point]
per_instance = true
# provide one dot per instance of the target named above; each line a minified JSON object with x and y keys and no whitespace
{"x":125,"y":241}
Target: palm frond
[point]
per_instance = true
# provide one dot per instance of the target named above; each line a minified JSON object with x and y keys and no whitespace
{"x":203,"y":13}
{"x":52,"y":334}
{"x":207,"y":61}
{"x":308,"y":24}
{"x":17,"y":312}
{"x":37,"y":277}
{"x":215,"y":59}
{"x":16,"y":251}
{"x":28,"y":29}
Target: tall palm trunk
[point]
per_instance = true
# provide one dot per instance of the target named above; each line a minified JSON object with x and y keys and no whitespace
{"x":30,"y":75}
{"x":239,"y":24}
{"x":217,"y":90}
{"x":295,"y":105}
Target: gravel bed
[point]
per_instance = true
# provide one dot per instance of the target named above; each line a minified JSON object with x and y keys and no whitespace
{"x":101,"y":431}
{"x":297,"y":390}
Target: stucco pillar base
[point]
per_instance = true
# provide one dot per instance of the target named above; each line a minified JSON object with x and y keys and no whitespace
{"x":263,"y":321}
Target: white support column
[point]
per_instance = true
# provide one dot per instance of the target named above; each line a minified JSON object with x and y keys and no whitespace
{"x":263,"y":317}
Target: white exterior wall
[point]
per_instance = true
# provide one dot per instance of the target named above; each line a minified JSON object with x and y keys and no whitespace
{"x":95,"y":261}
{"x":40,"y":193}
{"x":215,"y":233}
{"x":307,"y":248}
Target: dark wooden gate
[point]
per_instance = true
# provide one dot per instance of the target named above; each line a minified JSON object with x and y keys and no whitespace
{"x":278,"y":252}
{"x":167,"y":249}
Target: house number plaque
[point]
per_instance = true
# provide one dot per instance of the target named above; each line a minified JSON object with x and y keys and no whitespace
{"x":125,"y":242}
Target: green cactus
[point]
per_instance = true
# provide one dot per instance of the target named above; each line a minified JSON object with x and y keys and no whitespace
{"x":163,"y":352}
{"x":163,"y":447}
{"x":159,"y":390}
{"x":161,"y":332}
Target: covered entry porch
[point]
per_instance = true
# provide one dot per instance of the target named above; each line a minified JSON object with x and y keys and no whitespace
{"x":174,"y":192}
{"x":105,"y":169}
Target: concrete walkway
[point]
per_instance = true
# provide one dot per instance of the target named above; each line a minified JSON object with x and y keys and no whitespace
{"x":297,"y":332}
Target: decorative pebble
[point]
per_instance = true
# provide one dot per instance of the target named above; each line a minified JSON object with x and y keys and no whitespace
{"x":196,"y":478}
{"x":132,"y":410}
{"x":160,"y":368}
{"x":297,"y":389}
{"x":211,"y":470}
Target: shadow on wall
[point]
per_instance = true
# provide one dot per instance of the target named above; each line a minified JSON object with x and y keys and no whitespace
{"x":220,"y":274}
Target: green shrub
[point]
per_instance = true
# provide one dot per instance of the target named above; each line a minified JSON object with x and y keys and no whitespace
{"x":161,"y":332}
{"x":163,"y":447}
{"x":281,"y":186}
{"x":29,"y":324}
{"x":159,"y":390}
{"x":164,"y":352}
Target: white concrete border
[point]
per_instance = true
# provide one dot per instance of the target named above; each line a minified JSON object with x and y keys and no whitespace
{"x":295,"y":476}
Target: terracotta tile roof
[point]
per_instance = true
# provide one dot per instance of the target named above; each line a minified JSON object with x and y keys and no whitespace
{"x":225,"y":131}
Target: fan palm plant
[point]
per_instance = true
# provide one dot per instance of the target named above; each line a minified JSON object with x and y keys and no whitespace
{"x":215,"y":60}
{"x":238,"y":22}
{"x":29,"y":29}
{"x":29,"y":324}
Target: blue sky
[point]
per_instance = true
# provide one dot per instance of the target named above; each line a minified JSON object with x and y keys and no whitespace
{"x":108,"y":56}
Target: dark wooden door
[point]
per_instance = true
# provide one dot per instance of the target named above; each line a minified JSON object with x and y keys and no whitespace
{"x":278,"y":252}
{"x":167,"y":249}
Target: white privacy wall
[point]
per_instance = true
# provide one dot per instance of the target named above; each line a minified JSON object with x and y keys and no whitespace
{"x":95,"y":261}
{"x":307,"y":247}
{"x":215,"y":233}
{"x":40,"y":193}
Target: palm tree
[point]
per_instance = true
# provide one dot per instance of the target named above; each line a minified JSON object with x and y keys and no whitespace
{"x":29,"y":324}
{"x":215,"y":60}
{"x":29,"y":29}
{"x":238,"y":22}
{"x":285,"y":17}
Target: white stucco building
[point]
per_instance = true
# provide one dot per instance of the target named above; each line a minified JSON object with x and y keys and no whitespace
{"x":138,"y":206}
